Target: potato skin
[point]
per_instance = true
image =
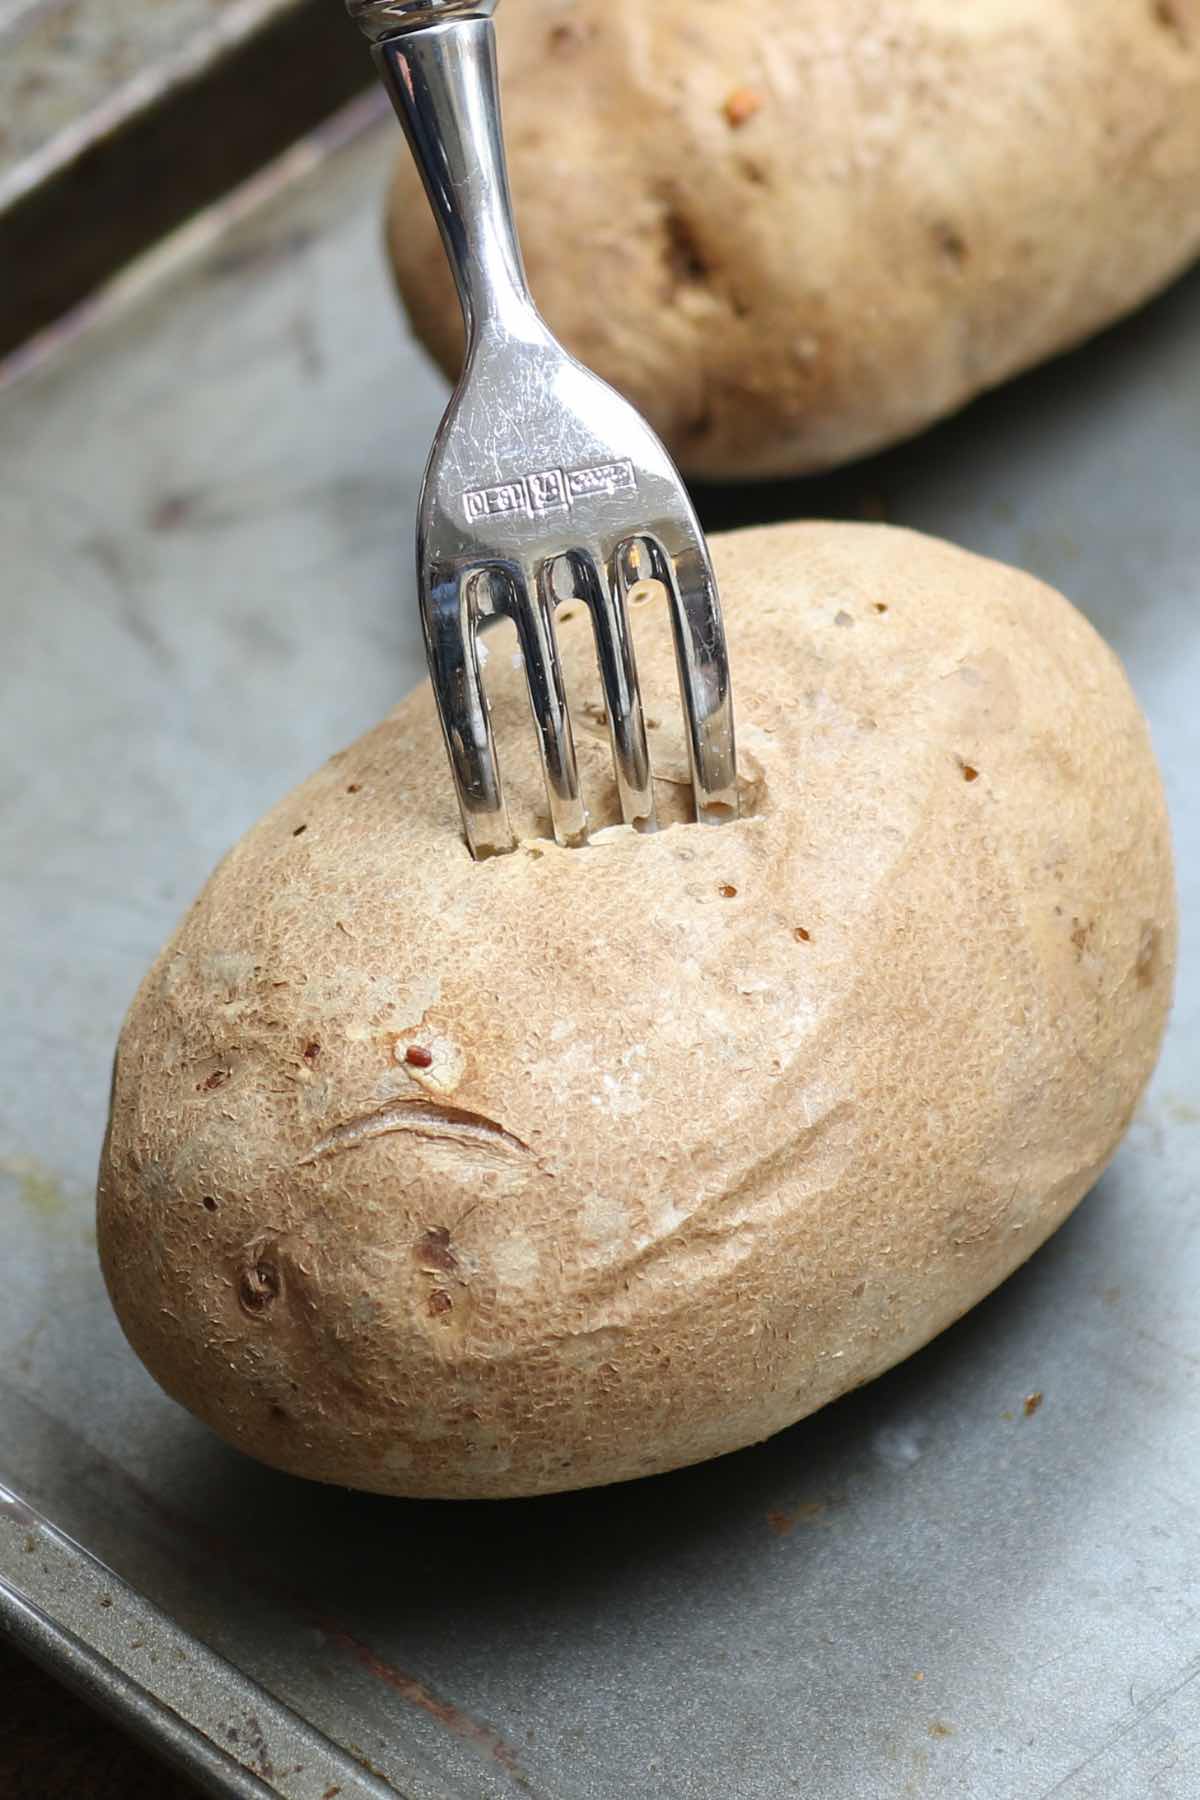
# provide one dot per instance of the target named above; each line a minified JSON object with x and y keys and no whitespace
{"x":438,"y":1178}
{"x":793,"y":231}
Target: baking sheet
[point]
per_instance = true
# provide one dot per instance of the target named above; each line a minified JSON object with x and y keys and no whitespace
{"x":119,"y":119}
{"x":926,"y":1591}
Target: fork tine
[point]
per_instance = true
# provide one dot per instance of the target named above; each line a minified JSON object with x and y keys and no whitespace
{"x":599,"y":583}
{"x":450,"y":616}
{"x":531,"y":603}
{"x":702,"y":659}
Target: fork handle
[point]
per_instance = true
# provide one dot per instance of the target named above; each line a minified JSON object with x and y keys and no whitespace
{"x":438,"y":64}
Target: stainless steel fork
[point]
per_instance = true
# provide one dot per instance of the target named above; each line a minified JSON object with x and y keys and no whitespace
{"x":543,"y":483}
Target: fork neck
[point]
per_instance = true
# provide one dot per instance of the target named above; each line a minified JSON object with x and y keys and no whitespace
{"x":442,"y":81}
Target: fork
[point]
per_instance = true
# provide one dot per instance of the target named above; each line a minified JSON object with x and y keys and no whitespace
{"x":543,"y":484}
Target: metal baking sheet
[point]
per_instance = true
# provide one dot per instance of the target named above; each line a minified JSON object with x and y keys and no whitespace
{"x":118,"y":119}
{"x":929,"y":1590}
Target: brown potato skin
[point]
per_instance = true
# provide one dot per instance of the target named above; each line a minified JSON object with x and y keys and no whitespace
{"x":702,"y":1129}
{"x":794,"y":231}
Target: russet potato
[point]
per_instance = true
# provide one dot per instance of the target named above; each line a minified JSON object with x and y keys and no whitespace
{"x":793,"y":231}
{"x":443,"y":1178}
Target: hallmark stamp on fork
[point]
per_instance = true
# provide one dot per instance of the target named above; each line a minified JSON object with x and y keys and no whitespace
{"x":551,"y":490}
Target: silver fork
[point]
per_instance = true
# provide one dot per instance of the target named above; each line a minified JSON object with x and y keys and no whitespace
{"x":543,"y":483}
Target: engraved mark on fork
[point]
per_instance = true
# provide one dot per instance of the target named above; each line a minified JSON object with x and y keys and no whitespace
{"x":550,"y":490}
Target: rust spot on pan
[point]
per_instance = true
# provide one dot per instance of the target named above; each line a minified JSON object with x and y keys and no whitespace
{"x":417,"y":1694}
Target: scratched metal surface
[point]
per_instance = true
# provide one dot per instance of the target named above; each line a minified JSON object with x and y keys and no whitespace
{"x":922,"y":1592}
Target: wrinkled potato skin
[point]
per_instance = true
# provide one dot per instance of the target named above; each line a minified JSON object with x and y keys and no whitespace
{"x":442,"y":1178}
{"x":793,"y":231}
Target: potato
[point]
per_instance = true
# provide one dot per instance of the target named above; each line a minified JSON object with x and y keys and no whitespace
{"x":793,"y":231}
{"x":442,"y":1178}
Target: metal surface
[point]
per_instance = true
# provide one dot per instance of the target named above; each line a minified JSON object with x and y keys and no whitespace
{"x":543,"y":483}
{"x":231,"y":1737}
{"x":380,"y":18}
{"x":119,"y":118}
{"x":923,"y":1593}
